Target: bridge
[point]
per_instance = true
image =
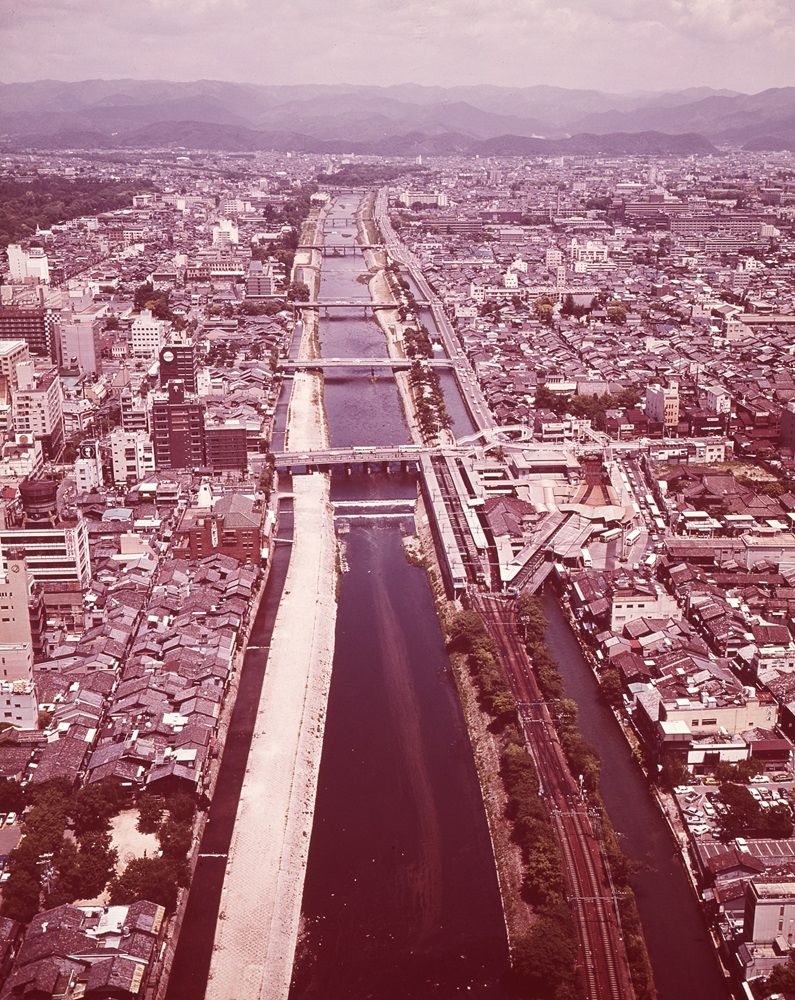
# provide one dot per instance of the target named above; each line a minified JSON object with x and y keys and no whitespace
{"x":396,"y":364}
{"x":327,"y":305}
{"x":339,"y":249}
{"x":325,"y":460}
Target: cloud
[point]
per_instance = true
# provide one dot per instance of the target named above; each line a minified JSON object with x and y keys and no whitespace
{"x":601,"y":44}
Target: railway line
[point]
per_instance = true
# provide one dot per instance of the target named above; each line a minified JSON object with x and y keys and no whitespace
{"x":603,"y":959}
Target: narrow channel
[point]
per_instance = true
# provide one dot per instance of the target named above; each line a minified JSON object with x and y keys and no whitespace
{"x":681,"y":952}
{"x":401,"y":897}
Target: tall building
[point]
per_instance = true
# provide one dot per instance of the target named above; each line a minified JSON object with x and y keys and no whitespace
{"x":134,"y":414}
{"x":80,"y":342}
{"x":37,"y":326}
{"x":12,"y":352}
{"x":226,"y":444}
{"x":260,"y":282}
{"x":662,"y":404}
{"x":132,"y":456}
{"x":27,"y":265}
{"x":18,"y":705}
{"x":178,"y":362}
{"x":37,"y":407}
{"x":177,"y":429}
{"x":147,"y":335}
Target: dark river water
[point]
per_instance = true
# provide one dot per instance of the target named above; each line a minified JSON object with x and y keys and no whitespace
{"x":684,"y":962}
{"x":401,"y":897}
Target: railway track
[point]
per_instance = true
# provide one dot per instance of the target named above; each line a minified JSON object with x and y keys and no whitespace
{"x":603,"y":959}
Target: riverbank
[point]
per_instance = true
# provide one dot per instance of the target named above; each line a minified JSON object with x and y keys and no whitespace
{"x":307,"y":427}
{"x":486,"y":747}
{"x":261,"y":903}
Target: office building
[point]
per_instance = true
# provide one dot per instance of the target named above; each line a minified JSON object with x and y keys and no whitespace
{"x":178,"y":362}
{"x":132,"y":456}
{"x":662,"y":404}
{"x":260,"y":283}
{"x":12,"y":352}
{"x":80,"y":342}
{"x":177,"y":429}
{"x":37,"y":326}
{"x":147,"y":336}
{"x":37,"y":407}
{"x":27,"y":266}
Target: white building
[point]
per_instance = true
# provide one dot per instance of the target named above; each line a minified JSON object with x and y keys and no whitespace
{"x":12,"y":353}
{"x":37,"y":407}
{"x":53,"y":555}
{"x":27,"y":266}
{"x":148,"y":335}
{"x":225,"y":233}
{"x":132,"y":455}
{"x":662,"y":404}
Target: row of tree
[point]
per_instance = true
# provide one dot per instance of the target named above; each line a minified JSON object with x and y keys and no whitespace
{"x":429,"y":401}
{"x":584,"y":760}
{"x":545,"y":958}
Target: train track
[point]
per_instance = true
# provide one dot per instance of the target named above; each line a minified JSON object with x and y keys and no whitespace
{"x":603,"y":958}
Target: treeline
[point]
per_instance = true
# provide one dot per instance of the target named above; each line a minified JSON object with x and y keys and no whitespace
{"x":47,"y":200}
{"x":583,"y":760}
{"x":545,"y":959}
{"x":361,"y":174}
{"x":67,"y":853}
{"x":429,"y":401}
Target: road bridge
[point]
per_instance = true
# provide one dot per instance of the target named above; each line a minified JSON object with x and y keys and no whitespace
{"x":396,"y":364}
{"x":328,"y":304}
{"x":326,"y":459}
{"x":339,"y":249}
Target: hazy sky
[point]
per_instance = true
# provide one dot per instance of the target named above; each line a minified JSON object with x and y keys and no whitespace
{"x":604,"y":44}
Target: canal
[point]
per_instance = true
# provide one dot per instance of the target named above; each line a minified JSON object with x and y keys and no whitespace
{"x":680,"y":948}
{"x":401,"y":897}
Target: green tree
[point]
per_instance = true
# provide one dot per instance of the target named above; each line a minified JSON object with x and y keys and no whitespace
{"x":96,"y":804}
{"x":155,"y":879}
{"x":12,"y":796}
{"x":150,"y":813}
{"x":21,"y":896}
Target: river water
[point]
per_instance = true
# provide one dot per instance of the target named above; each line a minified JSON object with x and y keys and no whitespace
{"x":681,"y":953}
{"x":401,"y":897}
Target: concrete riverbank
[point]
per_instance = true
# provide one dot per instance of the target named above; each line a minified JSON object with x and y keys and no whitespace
{"x":260,"y":907}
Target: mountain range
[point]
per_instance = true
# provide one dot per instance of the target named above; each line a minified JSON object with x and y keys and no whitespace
{"x":398,"y":120}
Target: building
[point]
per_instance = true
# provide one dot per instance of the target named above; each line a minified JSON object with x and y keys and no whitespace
{"x":37,"y":407}
{"x":260,"y":281}
{"x":80,"y":342}
{"x":177,"y":429}
{"x":27,"y":266}
{"x":147,"y":336}
{"x":37,"y":326}
{"x":768,"y":931}
{"x":231,"y":525}
{"x":662,"y":404}
{"x":90,"y":953}
{"x":226,"y":445}
{"x":132,"y":456}
{"x":134,"y":413}
{"x":88,"y":467}
{"x":12,"y":352}
{"x":178,"y":361}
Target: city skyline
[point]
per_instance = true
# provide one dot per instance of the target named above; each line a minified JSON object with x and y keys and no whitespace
{"x":650,"y":46}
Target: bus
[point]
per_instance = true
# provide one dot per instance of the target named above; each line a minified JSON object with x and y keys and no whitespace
{"x":633,"y":536}
{"x":659,"y":523}
{"x":608,"y":536}
{"x":586,"y":557}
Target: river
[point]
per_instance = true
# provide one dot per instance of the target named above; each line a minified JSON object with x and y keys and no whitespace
{"x":401,"y":897}
{"x":684,"y":961}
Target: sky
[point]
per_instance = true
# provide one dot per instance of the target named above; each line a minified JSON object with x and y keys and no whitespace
{"x":617,"y":45}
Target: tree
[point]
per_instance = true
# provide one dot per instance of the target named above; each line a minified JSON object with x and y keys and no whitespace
{"x":181,"y":807}
{"x":155,"y":879}
{"x":781,"y":980}
{"x":21,"y":896}
{"x":298,"y":291}
{"x":175,"y":839}
{"x":12,"y":796}
{"x":95,"y":805}
{"x":150,"y":813}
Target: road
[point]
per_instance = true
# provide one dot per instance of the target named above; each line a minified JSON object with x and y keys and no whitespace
{"x":604,"y":965}
{"x":467,"y":382}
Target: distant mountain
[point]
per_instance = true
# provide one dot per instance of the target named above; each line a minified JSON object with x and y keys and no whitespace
{"x":125,"y":112}
{"x":205,"y":135}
